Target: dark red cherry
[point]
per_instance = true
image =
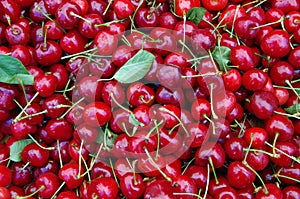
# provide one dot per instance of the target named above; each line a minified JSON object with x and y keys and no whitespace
{"x":21,"y":176}
{"x":48,"y":183}
{"x":66,"y":14}
{"x":279,"y":124}
{"x":243,"y":57}
{"x":213,"y":151}
{"x":184,"y":184}
{"x":90,"y":88}
{"x":35,"y":155}
{"x":17,"y":34}
{"x":105,"y":42}
{"x":271,"y":191}
{"x":140,"y":94}
{"x":258,"y":136}
{"x":45,"y":84}
{"x":22,"y":128}
{"x":105,"y":188}
{"x":10,"y":10}
{"x":159,"y":189}
{"x":71,"y":175}
{"x":281,"y":72}
{"x":97,"y":114}
{"x":53,"y":30}
{"x":62,"y":154}
{"x":5,"y":176}
{"x":239,"y":176}
{"x":90,"y":30}
{"x":198,"y":174}
{"x":263,"y":104}
{"x":123,"y":8}
{"x":132,"y":185}
{"x":232,"y":80}
{"x":167,"y":20}
{"x":54,"y":105}
{"x":48,"y":53}
{"x":146,"y":17}
{"x":55,"y":126}
{"x":234,"y":148}
{"x":254,"y":79}
{"x":121,"y":55}
{"x":38,"y":11}
{"x":73,"y":42}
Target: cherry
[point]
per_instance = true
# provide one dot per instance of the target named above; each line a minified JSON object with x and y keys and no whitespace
{"x":38,"y":11}
{"x":291,"y":171}
{"x":167,"y":20}
{"x":35,"y":155}
{"x":97,"y":114}
{"x":258,"y":137}
{"x":55,"y":126}
{"x":47,"y":53}
{"x":5,"y":176}
{"x":17,"y":34}
{"x":271,"y":191}
{"x":198,"y":133}
{"x":281,"y":72}
{"x":184,"y":184}
{"x":132,"y":185}
{"x":286,"y":7}
{"x":22,"y":53}
{"x":293,"y":58}
{"x":121,"y":55}
{"x":198,"y":174}
{"x":243,"y":57}
{"x":67,"y":195}
{"x":169,"y":76}
{"x":239,"y":176}
{"x":7,"y":95}
{"x":104,"y":70}
{"x":228,"y":14}
{"x":66,"y":14}
{"x":45,"y":84}
{"x":227,"y":192}
{"x":146,"y":17}
{"x":245,"y":27}
{"x":234,"y":148}
{"x":169,"y":142}
{"x":140,"y":94}
{"x":281,"y":159}
{"x":279,"y":40}
{"x":214,"y":186}
{"x":100,"y":170}
{"x":258,"y":161}
{"x":123,"y":8}
{"x":63,"y":155}
{"x":71,"y":175}
{"x":291,"y":192}
{"x":51,"y":166}
{"x":87,"y":133}
{"x":73,"y":42}
{"x":159,"y":189}
{"x":232,"y":80}
{"x":105,"y":188}
{"x":281,"y":125}
{"x":215,"y":6}
{"x":212,"y":151}
{"x":172,"y":167}
{"x":106,"y":42}
{"x":263,"y":103}
{"x":90,"y":26}
{"x":254,"y":79}
{"x":4,"y":193}
{"x":90,"y":88}
{"x":22,"y":128}
{"x":48,"y":184}
{"x":202,"y":41}
{"x":141,"y":113}
{"x":11,"y":11}
{"x":77,"y":152}
{"x":54,"y":105}
{"x":62,"y":75}
{"x":182,"y":7}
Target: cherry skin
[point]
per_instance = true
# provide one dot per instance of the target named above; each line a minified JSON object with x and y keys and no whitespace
{"x":35,"y":155}
{"x":97,"y":186}
{"x":258,"y":161}
{"x":47,"y":53}
{"x":55,"y":126}
{"x":65,"y":14}
{"x":232,"y":80}
{"x":291,"y":192}
{"x":53,"y":30}
{"x":214,"y":5}
{"x":97,"y":114}
{"x":258,"y":136}
{"x":5,"y":176}
{"x":281,"y":72}
{"x":73,"y":42}
{"x":244,"y":27}
{"x":140,"y":94}
{"x":184,"y":184}
{"x":159,"y":189}
{"x":227,"y":192}
{"x":101,"y":170}
{"x":198,"y":174}
{"x":4,"y":193}
{"x":279,"y":40}
{"x":243,"y":57}
{"x":239,"y":176}
{"x":48,"y":183}
{"x":90,"y":88}
{"x":271,"y":191}
{"x":90,"y":30}
{"x":123,"y":8}
{"x":234,"y":148}
{"x":21,"y":176}
{"x":293,"y":58}
{"x":146,"y":17}
{"x":263,"y":104}
{"x":67,"y":195}
{"x":105,"y":42}
{"x":70,"y":174}
{"x":132,"y":185}
{"x":54,"y":105}
{"x":212,"y":151}
{"x":254,"y":79}
{"x":281,"y":125}
{"x":16,"y":34}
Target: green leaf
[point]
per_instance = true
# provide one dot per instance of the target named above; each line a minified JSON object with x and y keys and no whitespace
{"x":195,"y":15}
{"x":16,"y":149}
{"x":12,"y":71}
{"x":107,"y":139}
{"x":293,"y":109}
{"x":135,"y":68}
{"x":134,"y":121}
{"x":221,"y":55}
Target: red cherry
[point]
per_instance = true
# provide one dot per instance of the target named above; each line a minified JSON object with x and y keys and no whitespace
{"x":49,"y":183}
{"x":71,"y":175}
{"x":45,"y":84}
{"x":97,"y":114}
{"x":239,"y":176}
{"x":105,"y":188}
{"x":5,"y":176}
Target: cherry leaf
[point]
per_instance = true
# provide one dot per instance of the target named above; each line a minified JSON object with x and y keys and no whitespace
{"x":107,"y":138}
{"x":12,"y":71}
{"x":293,"y":109}
{"x":16,"y":148}
{"x":134,"y":121}
{"x":135,"y":68}
{"x":195,"y":15}
{"x":221,"y":55}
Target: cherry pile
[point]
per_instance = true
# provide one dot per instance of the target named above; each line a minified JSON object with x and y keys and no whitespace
{"x":179,"y":99}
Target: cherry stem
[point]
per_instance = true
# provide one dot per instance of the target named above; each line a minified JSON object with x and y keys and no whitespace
{"x":20,"y":106}
{"x":291,"y":86}
{"x":187,"y":165}
{"x":32,"y":194}
{"x":113,"y":171}
{"x":187,"y":194}
{"x":79,"y":161}
{"x":176,"y":117}
{"x":37,"y":143}
{"x":207,"y":183}
{"x":184,"y":31}
{"x":28,"y":104}
{"x":142,"y":97}
{"x":80,"y":53}
{"x":287,"y":177}
{"x":199,"y":75}
{"x":213,"y":114}
{"x":173,"y":128}
{"x":107,"y":7}
{"x":286,"y":114}
{"x":80,"y":17}
{"x":249,"y":147}
{"x":23,"y":89}
{"x":157,"y":167}
{"x":258,"y":4}
{"x":132,"y":166}
{"x":154,"y":128}
{"x":262,"y":151}
{"x":212,"y":123}
{"x":73,"y":105}
{"x":188,"y":49}
{"x":258,"y":176}
{"x":274,"y":143}
{"x":291,"y":157}
{"x":26,"y":165}
{"x":32,"y":115}
{"x":234,"y":17}
{"x":59,"y":153}
{"x":213,"y":169}
{"x":58,"y":190}
{"x":268,"y":24}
